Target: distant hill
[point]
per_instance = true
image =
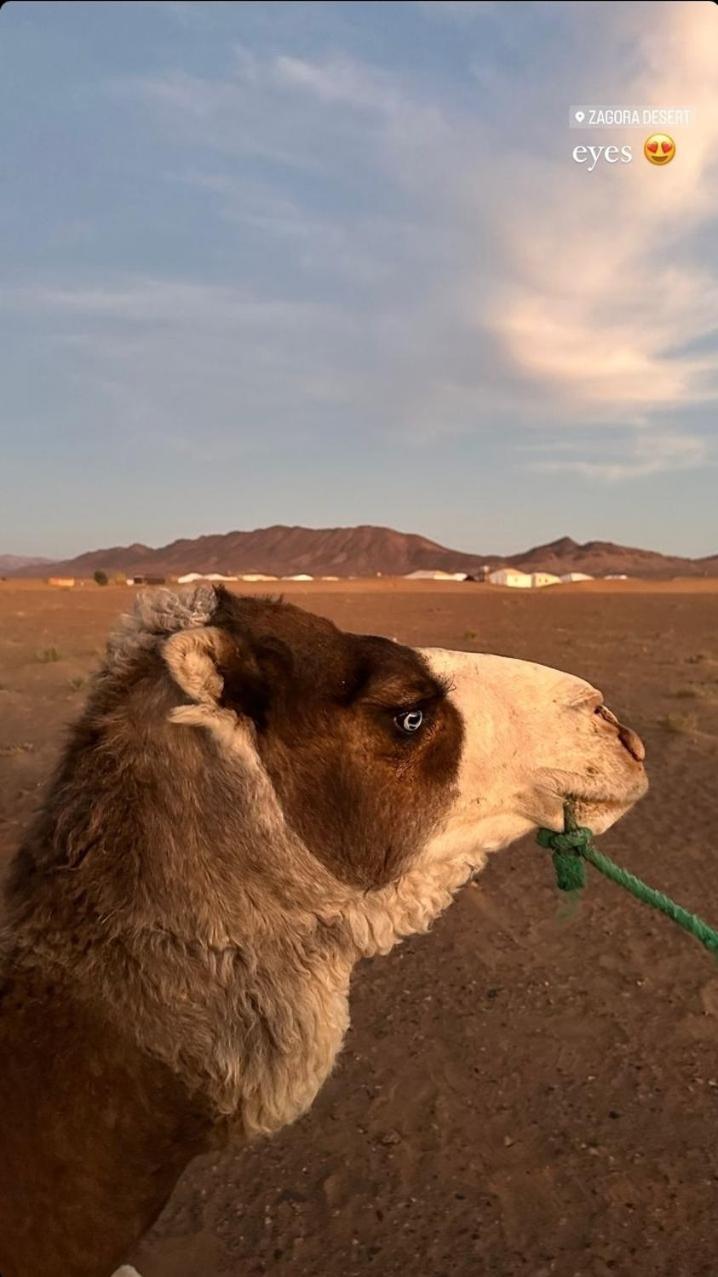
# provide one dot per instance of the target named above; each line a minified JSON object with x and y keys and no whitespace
{"x":18,"y":562}
{"x":280,"y":551}
{"x":360,"y":551}
{"x":600,"y":558}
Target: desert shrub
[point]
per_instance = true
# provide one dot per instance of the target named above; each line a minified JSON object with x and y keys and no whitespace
{"x":47,"y":655}
{"x":470,"y":636}
{"x":76,"y":683}
{"x":699,"y":692}
{"x":100,"y":577}
{"x":680,"y":724}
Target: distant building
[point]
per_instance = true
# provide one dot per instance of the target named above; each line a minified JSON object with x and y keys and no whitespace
{"x":189,"y":577}
{"x":298,"y":576}
{"x":568,"y":577}
{"x":435,"y":575}
{"x":146,"y":580}
{"x":616,"y":576}
{"x":257,"y":576}
{"x":511,"y":576}
{"x":62,"y":582}
{"x":539,"y":579}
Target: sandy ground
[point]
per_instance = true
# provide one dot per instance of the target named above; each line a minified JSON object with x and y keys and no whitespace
{"x":521,"y":1092}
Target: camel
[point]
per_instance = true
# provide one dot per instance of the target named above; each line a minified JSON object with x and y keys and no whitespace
{"x":251,"y":801}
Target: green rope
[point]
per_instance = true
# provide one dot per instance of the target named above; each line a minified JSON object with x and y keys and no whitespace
{"x":575,"y":845}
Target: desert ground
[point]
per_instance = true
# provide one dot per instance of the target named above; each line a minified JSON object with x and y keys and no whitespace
{"x":526,"y":1090}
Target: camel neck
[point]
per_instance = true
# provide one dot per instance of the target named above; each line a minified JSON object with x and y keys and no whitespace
{"x":95,"y":1133}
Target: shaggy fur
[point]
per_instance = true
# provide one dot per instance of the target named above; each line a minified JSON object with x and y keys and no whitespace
{"x":238,"y":817}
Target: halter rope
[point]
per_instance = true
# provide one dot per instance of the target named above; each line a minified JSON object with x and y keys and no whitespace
{"x":575,"y":845}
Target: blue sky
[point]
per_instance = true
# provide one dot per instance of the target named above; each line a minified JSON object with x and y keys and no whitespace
{"x":329,"y":264}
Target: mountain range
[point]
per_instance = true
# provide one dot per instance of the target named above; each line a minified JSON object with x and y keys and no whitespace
{"x":360,"y":551}
{"x":18,"y":562}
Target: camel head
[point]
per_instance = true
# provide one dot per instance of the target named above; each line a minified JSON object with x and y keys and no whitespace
{"x":378,"y":756}
{"x":534,"y":738}
{"x":239,"y":756}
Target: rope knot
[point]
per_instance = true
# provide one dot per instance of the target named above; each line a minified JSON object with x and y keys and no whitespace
{"x":570,"y":840}
{"x":568,"y":847}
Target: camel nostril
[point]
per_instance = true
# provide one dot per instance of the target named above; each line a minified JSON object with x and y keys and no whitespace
{"x":632,"y":742}
{"x":628,"y":738}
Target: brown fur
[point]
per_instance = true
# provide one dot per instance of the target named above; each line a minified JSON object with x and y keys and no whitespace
{"x":95,"y":1134}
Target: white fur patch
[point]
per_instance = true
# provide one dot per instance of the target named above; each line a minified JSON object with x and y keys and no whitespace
{"x":161,"y":611}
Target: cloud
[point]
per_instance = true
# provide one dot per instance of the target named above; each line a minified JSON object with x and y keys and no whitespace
{"x":421,"y":259}
{"x":334,"y":118}
{"x":606,"y":297}
{"x":457,"y":8}
{"x":644,"y":454}
{"x":146,"y":302}
{"x":339,"y":80}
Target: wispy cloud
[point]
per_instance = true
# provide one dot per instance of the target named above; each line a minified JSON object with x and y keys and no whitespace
{"x":146,"y":302}
{"x":187,"y":13}
{"x":567,"y":295}
{"x":641,"y":456}
{"x":457,"y":8}
{"x":339,"y":80}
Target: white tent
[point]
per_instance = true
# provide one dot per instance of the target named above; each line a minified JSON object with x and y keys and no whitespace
{"x":512,"y":577}
{"x":435,"y":574}
{"x":299,"y":576}
{"x":189,"y":577}
{"x":575,"y":576}
{"x":539,"y":579}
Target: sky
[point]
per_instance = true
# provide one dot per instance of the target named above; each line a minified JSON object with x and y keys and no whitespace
{"x":330,"y":264}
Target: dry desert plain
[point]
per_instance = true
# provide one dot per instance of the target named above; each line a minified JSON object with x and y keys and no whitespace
{"x":521,"y":1092}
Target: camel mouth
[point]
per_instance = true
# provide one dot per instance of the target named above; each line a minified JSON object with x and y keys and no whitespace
{"x":596,"y":807}
{"x":631,"y":786}
{"x":599,"y":811}
{"x":596,"y":790}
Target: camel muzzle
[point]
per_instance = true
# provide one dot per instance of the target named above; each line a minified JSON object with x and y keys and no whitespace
{"x":628,"y":738}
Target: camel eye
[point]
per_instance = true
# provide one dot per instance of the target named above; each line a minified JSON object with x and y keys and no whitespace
{"x":409,"y":721}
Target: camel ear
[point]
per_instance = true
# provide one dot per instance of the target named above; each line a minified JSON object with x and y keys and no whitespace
{"x":195,"y":657}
